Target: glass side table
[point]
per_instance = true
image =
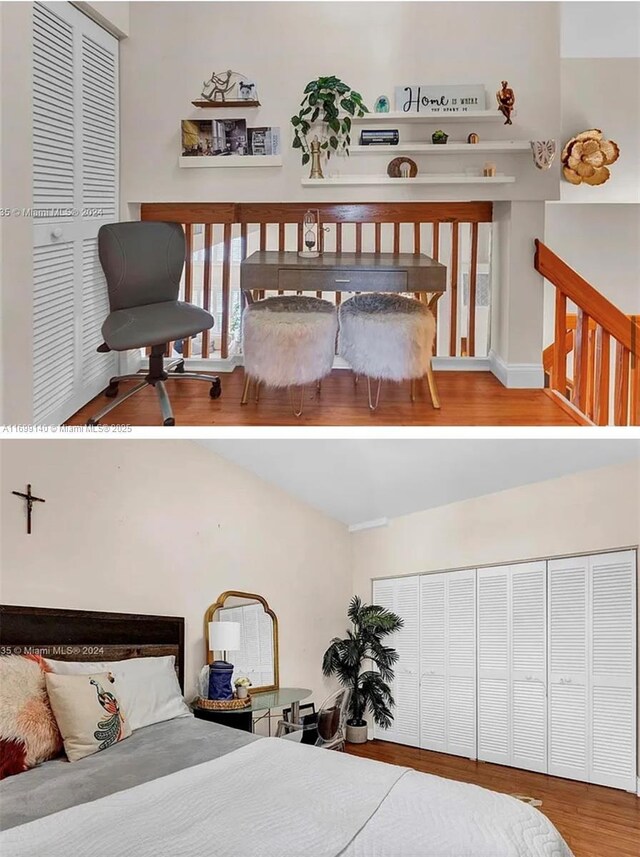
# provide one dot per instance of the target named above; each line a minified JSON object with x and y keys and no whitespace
{"x":242,"y":718}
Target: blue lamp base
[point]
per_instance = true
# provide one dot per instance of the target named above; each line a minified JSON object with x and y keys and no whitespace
{"x":220,"y":673}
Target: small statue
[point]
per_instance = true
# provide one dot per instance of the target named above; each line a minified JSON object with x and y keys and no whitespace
{"x":218,"y":86}
{"x":506,"y":100}
{"x":316,"y":168}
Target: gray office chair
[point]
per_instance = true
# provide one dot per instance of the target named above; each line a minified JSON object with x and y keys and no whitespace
{"x":142,"y":263}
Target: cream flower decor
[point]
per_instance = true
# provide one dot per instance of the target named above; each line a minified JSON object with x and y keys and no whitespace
{"x":587,"y":156}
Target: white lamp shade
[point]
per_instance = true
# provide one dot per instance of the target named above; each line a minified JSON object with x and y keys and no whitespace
{"x":224,"y":636}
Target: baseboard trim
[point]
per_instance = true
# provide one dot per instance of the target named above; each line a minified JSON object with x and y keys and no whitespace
{"x":517,"y":376}
{"x":212,"y":364}
{"x":461,"y":364}
{"x":638,"y":787}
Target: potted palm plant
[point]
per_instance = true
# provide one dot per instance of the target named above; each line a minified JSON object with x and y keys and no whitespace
{"x":345,"y":658}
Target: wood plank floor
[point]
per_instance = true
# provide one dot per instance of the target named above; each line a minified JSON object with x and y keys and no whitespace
{"x":594,"y":821}
{"x":468,"y":399}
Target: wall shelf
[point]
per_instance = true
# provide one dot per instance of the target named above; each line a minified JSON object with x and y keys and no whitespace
{"x":444,"y":149}
{"x":219,"y":104}
{"x":441,"y":178}
{"x":399,"y":116}
{"x":222,"y":161}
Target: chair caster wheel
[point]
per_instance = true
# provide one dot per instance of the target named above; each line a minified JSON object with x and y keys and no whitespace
{"x":216,"y":389}
{"x":179,"y":368}
{"x":169,"y":422}
{"x":112,"y":390}
{"x":92,"y":422}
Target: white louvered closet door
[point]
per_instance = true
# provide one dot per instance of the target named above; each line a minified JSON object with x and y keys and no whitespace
{"x":402,"y":596}
{"x":493,"y":665}
{"x":461,"y":663}
{"x":448,"y":663}
{"x":75,"y":191}
{"x":568,"y":668}
{"x":528,"y":666}
{"x":612,"y":682}
{"x":512,"y":665}
{"x":433,"y":675}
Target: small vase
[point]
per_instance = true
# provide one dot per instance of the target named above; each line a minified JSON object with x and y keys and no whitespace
{"x":242,"y":692}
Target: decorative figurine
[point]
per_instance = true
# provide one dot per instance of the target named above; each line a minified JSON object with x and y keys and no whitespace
{"x":506,"y":101}
{"x":587,"y":156}
{"x":439,"y":138}
{"x":218,"y":86}
{"x":473,"y":138}
{"x":316,"y":168}
{"x":381,"y":105}
{"x":310,"y":229}
{"x":544,"y":151}
{"x":402,"y":168}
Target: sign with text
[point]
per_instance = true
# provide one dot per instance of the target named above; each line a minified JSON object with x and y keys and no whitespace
{"x":421,"y":98}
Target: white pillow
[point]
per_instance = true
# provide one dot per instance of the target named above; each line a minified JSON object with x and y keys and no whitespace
{"x":148,"y":688}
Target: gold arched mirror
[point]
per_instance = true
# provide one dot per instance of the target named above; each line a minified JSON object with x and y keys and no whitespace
{"x":257,"y":655}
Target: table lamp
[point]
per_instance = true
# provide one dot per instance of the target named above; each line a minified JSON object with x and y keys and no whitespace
{"x":223,"y":637}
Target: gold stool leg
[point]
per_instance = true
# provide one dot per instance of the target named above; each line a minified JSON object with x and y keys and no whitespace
{"x":245,"y":390}
{"x":413,"y":389}
{"x":433,"y":390}
{"x":257,"y":385}
{"x":318,"y":388}
{"x":296,"y":412}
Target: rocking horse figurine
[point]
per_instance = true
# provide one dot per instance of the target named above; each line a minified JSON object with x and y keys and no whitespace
{"x":218,"y":86}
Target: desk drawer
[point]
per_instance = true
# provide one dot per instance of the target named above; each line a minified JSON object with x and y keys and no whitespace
{"x":291,"y":279}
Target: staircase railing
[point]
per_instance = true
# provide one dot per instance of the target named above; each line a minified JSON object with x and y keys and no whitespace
{"x":594,"y":362}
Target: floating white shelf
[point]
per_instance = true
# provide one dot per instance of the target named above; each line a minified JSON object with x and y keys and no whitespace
{"x":441,"y":178}
{"x":208,"y":161}
{"x":399,"y":116}
{"x":445,"y":148}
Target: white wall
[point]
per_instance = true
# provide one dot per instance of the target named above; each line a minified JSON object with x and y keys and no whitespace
{"x":173,"y":47}
{"x":601,"y":29}
{"x":586,"y":512}
{"x":163,"y":527}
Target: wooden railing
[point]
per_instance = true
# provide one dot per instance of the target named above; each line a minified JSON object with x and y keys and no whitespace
{"x":220,"y":235}
{"x":593,"y":363}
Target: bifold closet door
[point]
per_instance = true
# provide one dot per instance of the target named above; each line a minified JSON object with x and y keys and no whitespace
{"x":448,"y":663}
{"x":75,"y":191}
{"x":592,"y":669}
{"x":402,"y":596}
{"x":512,"y":709}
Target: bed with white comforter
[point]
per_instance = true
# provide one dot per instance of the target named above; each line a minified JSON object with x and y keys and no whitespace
{"x":274,"y":798}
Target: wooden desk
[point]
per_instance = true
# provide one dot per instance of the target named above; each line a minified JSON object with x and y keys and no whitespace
{"x":271,"y":270}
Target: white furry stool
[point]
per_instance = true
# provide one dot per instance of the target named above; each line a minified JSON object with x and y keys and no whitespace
{"x":288,"y":341}
{"x":388,"y":337}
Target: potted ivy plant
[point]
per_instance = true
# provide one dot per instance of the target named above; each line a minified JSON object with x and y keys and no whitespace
{"x":332,"y":102}
{"x":345,"y":658}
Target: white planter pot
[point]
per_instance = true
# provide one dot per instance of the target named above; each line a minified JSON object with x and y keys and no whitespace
{"x":242,"y":692}
{"x":357,"y":734}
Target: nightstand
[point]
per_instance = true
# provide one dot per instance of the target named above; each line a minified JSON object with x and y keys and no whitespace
{"x":238,"y":719}
{"x":242,"y":718}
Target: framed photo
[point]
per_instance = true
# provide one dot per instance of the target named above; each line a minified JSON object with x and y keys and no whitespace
{"x":247,"y":90}
{"x":230,"y":136}
{"x":264,"y":141}
{"x":197,"y":137}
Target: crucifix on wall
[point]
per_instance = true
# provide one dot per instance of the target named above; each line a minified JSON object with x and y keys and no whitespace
{"x":31,"y":499}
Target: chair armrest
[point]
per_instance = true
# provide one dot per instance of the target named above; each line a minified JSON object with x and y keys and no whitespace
{"x":286,"y":726}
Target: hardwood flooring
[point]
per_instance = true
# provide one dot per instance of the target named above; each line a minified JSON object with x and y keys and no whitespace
{"x":468,"y":399}
{"x":594,"y":821}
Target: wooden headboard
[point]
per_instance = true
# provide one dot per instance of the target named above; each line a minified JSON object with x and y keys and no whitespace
{"x":86,"y":635}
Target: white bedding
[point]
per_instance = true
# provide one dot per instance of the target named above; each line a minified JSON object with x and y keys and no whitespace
{"x":274,"y":798}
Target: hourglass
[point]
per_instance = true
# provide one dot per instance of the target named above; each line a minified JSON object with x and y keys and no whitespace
{"x":310,"y":229}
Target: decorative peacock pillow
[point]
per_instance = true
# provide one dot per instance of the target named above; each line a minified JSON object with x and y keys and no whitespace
{"x":28,"y":730}
{"x":88,"y":712}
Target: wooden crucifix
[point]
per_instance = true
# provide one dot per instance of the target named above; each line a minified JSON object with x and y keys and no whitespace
{"x":29,"y":497}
